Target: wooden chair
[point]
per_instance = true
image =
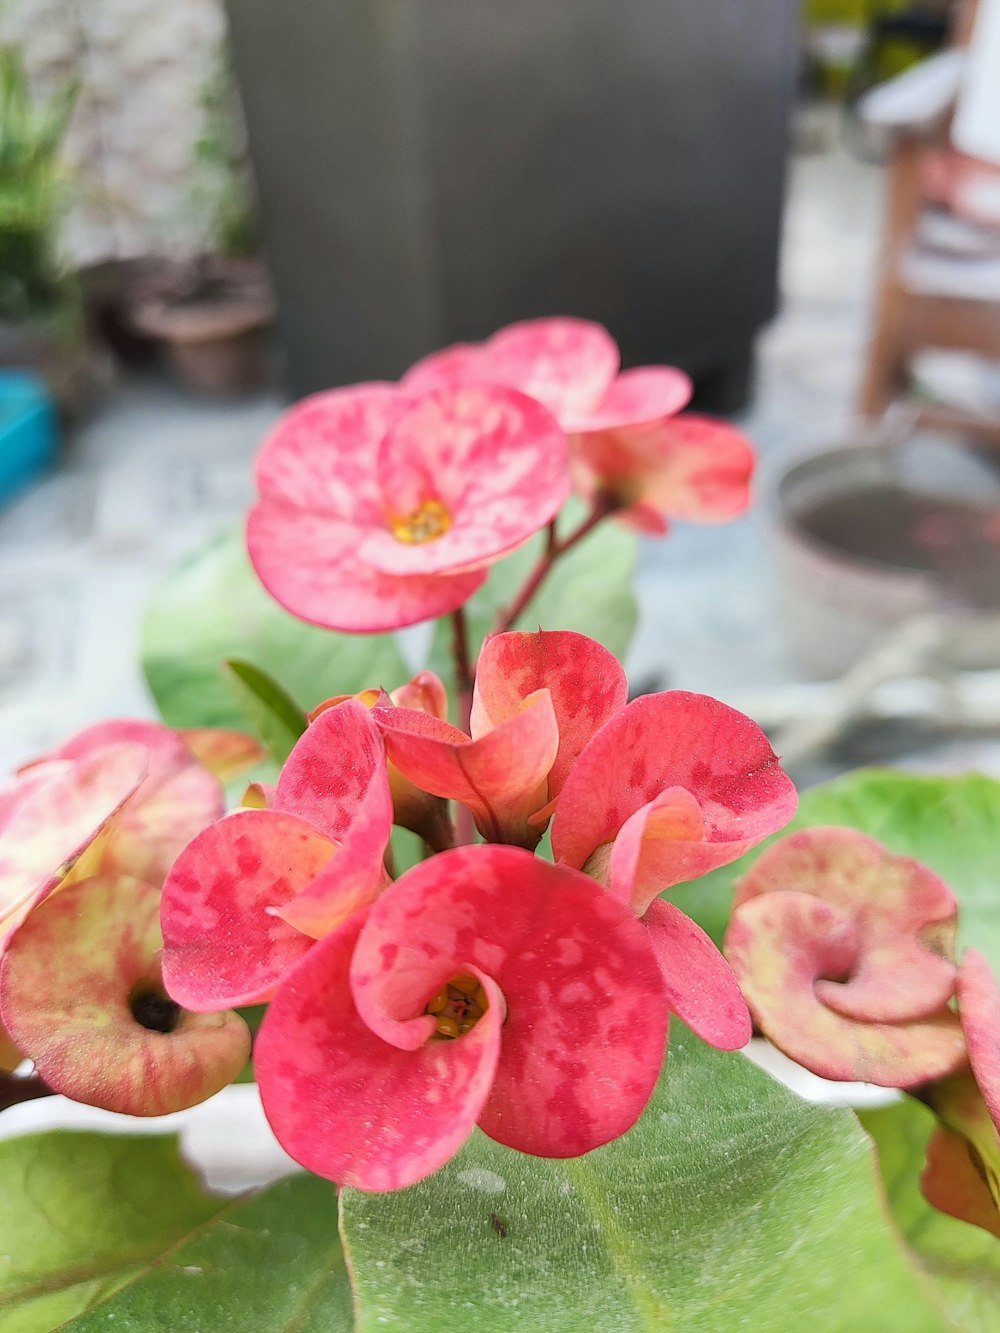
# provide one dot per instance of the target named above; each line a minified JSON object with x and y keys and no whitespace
{"x":927,"y":298}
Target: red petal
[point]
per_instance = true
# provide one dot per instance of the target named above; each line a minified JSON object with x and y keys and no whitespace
{"x":223,"y":945}
{"x":586,"y":682}
{"x":500,"y":777}
{"x":567,"y":364}
{"x":585,"y":1027}
{"x":701,"y":987}
{"x":349,"y":1106}
{"x":669,"y":740}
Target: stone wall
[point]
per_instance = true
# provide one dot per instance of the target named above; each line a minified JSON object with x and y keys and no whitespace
{"x":143,"y":67}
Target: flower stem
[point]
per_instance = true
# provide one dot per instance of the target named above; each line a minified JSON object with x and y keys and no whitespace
{"x":465,"y":829}
{"x":554,"y":548}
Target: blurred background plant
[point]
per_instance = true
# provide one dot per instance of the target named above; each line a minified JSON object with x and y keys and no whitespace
{"x":34,"y":284}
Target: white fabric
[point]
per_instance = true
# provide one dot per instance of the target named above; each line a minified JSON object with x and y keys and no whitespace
{"x":919,"y":97}
{"x":976,"y":129}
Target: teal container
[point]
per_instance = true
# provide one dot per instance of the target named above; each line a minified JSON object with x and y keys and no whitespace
{"x":29,"y":431}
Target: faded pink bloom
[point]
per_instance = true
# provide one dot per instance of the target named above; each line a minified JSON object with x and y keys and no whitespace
{"x":628,"y":445}
{"x":86,"y":835}
{"x":379,"y":509}
{"x":250,"y":895}
{"x":485,"y":987}
{"x":846,"y":956}
{"x":671,"y":787}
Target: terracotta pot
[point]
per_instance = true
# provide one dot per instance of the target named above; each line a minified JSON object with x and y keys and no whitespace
{"x":216,"y":346}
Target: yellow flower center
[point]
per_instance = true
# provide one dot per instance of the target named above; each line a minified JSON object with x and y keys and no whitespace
{"x":426,"y":524}
{"x":458,"y":1006}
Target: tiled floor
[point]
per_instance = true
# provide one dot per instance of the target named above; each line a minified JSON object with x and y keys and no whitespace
{"x":156,"y":472}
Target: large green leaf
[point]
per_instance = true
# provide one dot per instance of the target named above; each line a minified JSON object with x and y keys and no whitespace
{"x":962,"y":1259}
{"x":211,"y":608}
{"x":951,"y":823}
{"x":589,"y":590}
{"x":104,"y":1232}
{"x":732,"y":1205}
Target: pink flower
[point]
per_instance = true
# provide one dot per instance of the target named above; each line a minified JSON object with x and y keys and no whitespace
{"x":628,"y":446}
{"x":671,"y":787}
{"x":86,"y":836}
{"x":538,"y":699}
{"x":379,"y":509}
{"x":249,"y":896}
{"x":846,"y":956}
{"x":485,"y":987}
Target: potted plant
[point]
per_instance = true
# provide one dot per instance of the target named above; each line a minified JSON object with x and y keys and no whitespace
{"x":457,"y":921}
{"x":40,"y":318}
{"x":212,"y":310}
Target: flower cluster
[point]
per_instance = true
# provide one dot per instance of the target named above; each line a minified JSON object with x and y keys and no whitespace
{"x":87,"y":835}
{"x":382,"y":505}
{"x":486,"y":985}
{"x":846,"y":955}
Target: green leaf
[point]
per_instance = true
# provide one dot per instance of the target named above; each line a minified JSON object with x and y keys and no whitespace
{"x":212,"y":608}
{"x":963,"y":1260}
{"x":732,"y":1205}
{"x":104,"y":1232}
{"x":275,"y":717}
{"x":950,"y":823}
{"x":589,"y":590}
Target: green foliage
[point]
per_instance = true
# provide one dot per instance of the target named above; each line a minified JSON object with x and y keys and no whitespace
{"x":275,"y":718}
{"x":963,"y":1260}
{"x":951,"y":823}
{"x":589,"y":590}
{"x":222,"y":191}
{"x":212,"y":609}
{"x":30,"y":191}
{"x":100,"y":1232}
{"x":731,"y":1205}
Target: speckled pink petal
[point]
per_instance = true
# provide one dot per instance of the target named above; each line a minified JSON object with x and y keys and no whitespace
{"x":222,"y":943}
{"x":335,"y":774}
{"x":952,"y":1182}
{"x":177,"y":799}
{"x":567,"y":364}
{"x":904,"y":914}
{"x":501,"y":776}
{"x":462,"y":363}
{"x":780,"y":945}
{"x":226,"y":754}
{"x":662,"y":844}
{"x":310,"y":565}
{"x":587,"y":684}
{"x":674,"y":739}
{"x":69,"y":803}
{"x":495,"y":459}
{"x":75,"y":1019}
{"x":701,"y":987}
{"x":583,"y":1039}
{"x":979,"y":1010}
{"x":646,"y":393}
{"x":349,"y":1106}
{"x":320,"y":457}
{"x":686,"y":467}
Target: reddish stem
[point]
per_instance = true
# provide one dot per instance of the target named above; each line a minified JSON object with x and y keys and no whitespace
{"x":554,"y":549}
{"x":465,"y":829}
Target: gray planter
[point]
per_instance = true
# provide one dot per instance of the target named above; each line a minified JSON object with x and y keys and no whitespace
{"x":432,"y":169}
